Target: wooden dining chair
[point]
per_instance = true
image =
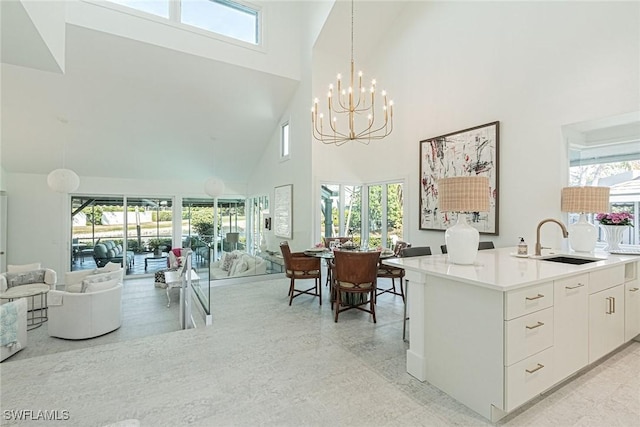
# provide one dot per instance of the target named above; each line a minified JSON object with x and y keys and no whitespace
{"x":393,"y":273}
{"x":298,"y":266}
{"x":406,"y":253}
{"x":354,"y":280}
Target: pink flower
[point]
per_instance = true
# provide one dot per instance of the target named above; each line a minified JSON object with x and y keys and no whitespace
{"x":615,"y":218}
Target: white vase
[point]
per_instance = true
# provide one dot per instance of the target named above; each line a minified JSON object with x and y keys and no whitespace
{"x":613,"y":236}
{"x":263,"y":244}
{"x":462,"y":241}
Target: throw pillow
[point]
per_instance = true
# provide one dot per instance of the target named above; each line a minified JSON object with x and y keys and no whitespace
{"x":97,"y":278}
{"x":100,"y":286}
{"x":228,"y":260}
{"x":24,"y":278}
{"x":251,"y":262}
{"x":22,"y":268}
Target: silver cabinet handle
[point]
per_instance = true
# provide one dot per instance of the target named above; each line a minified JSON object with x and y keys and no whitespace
{"x":613,"y":304}
{"x":579,"y":285}
{"x":536,"y":297}
{"x":535,"y":326}
{"x":609,"y":306}
{"x":537,"y":368}
{"x":634,"y":289}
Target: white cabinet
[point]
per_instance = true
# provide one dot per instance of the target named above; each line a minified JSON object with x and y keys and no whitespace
{"x":606,"y":321}
{"x":528,"y":343}
{"x":528,"y":378}
{"x":571,"y":330}
{"x":631,"y":309}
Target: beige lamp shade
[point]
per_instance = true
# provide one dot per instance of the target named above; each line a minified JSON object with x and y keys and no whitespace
{"x":463,"y":194}
{"x":585,"y":199}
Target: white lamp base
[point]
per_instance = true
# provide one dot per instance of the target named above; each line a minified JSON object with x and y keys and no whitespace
{"x":462,"y":241}
{"x":583,"y":235}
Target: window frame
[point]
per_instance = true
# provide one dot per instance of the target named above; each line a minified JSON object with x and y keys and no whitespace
{"x":285,"y":125}
{"x":174,"y":20}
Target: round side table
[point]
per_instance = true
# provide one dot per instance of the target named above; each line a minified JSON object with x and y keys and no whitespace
{"x":35,"y":316}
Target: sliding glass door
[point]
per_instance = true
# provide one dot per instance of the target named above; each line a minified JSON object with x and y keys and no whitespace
{"x":135,"y":232}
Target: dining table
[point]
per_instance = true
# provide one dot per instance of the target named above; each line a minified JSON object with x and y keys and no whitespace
{"x":327,"y":254}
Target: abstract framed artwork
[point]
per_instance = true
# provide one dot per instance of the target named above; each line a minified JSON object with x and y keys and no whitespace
{"x":468,"y":152}
{"x":282,"y":220}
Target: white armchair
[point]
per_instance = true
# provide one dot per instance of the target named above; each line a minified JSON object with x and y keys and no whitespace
{"x":10,"y":347}
{"x":29,"y":275}
{"x":76,"y":315}
{"x":90,"y":305}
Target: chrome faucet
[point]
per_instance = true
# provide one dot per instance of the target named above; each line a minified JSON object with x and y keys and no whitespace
{"x":539,"y":247}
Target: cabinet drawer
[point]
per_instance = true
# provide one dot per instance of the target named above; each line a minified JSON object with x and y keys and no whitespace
{"x":527,"y":300}
{"x":528,"y":378}
{"x":528,"y":335}
{"x":600,"y":280}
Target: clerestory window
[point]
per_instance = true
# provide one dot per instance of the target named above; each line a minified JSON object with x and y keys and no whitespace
{"x":228,"y":18}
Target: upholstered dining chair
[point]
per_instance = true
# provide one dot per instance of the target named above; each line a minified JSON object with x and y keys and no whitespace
{"x":355,"y":277}
{"x":481,"y":246}
{"x":393,"y":273}
{"x":298,"y":266}
{"x":406,"y":253}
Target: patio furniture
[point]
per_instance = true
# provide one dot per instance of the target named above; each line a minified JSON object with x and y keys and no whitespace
{"x":108,"y":251}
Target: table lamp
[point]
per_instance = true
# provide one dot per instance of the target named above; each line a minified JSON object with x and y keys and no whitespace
{"x":463,"y":194}
{"x":584,"y":200}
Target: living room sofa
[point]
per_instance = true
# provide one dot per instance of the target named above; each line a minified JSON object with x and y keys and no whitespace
{"x":237,"y":264}
{"x":106,"y":251}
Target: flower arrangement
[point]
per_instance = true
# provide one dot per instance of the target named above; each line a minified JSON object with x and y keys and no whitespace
{"x":615,"y":218}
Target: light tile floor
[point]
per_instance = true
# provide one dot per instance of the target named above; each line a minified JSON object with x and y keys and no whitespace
{"x":266,"y":363}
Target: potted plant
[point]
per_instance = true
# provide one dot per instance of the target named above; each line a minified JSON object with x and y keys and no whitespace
{"x":156,"y":245}
{"x":614,"y":224}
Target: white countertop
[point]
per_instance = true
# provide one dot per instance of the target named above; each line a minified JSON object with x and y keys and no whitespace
{"x":498,"y":269}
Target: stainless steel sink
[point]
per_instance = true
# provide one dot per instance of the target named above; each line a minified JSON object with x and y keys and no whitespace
{"x":570,"y":260}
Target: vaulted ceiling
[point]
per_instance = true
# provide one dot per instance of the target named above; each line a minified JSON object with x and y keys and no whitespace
{"x":127,"y":109}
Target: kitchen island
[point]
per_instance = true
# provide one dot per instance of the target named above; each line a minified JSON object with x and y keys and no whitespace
{"x":497,"y":333}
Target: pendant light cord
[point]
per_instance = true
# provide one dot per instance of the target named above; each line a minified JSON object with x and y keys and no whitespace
{"x":352,"y":31}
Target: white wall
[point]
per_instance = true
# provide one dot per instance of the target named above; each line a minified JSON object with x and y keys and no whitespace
{"x":534,"y":66}
{"x":297,"y":170}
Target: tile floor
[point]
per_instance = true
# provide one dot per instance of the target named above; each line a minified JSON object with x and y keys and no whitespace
{"x":266,"y":363}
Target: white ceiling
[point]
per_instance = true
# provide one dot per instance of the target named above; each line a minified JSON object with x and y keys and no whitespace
{"x":127,"y":109}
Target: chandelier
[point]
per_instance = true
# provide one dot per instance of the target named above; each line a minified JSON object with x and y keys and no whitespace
{"x":352,"y":115}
